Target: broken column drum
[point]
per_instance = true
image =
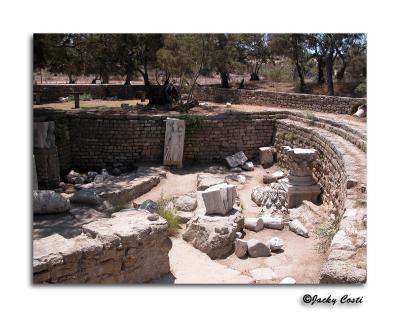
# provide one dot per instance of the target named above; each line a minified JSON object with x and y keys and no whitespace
{"x":301,"y":185}
{"x":174,"y":142}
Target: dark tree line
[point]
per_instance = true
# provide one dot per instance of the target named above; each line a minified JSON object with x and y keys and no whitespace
{"x":186,"y":56}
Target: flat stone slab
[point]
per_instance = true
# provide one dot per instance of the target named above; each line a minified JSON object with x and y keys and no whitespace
{"x":206,"y":180}
{"x":191,"y":266}
{"x":123,"y":188}
{"x":263,"y":274}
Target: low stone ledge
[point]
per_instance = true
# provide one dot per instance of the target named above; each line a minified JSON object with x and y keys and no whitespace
{"x":126,"y":248}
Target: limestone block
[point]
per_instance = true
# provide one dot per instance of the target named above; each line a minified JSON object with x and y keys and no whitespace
{"x":273,"y":222}
{"x":275,"y":244}
{"x":174,"y":142}
{"x":257,"y":248}
{"x":288,"y":280}
{"x":214,"y":235}
{"x":219,"y":199}
{"x":297,"y":227}
{"x":254,"y":224}
{"x":248,"y":166}
{"x":48,"y":201}
{"x":266,"y":156}
{"x":236,"y":159}
{"x":240,"y":248}
{"x":186,"y":203}
{"x":86,"y":196}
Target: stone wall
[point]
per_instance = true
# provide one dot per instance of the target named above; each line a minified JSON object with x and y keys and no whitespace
{"x":334,"y":104}
{"x":321,"y":103}
{"x":130,"y":247}
{"x":51,"y":92}
{"x":106,"y":140}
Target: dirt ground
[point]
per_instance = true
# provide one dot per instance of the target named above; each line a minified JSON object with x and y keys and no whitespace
{"x":299,"y":259}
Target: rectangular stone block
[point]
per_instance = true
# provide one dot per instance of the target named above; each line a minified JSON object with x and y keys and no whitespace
{"x":219,"y":199}
{"x":174,"y":142}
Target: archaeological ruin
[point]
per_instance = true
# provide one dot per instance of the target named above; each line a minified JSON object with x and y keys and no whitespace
{"x":270,"y":195}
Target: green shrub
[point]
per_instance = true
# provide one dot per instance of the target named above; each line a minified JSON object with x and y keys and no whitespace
{"x":361,"y":90}
{"x":277,"y":73}
{"x":193,"y":122}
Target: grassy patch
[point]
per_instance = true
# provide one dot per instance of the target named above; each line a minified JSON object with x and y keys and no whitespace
{"x":120,"y":205}
{"x":310,"y":116}
{"x":169,"y":213}
{"x":325,"y":234}
{"x":360,"y":204}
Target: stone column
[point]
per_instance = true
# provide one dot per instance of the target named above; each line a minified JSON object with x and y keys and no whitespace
{"x":266,"y":156}
{"x":174,"y":142}
{"x":46,"y":154}
{"x":34,"y":175}
{"x":301,"y":185}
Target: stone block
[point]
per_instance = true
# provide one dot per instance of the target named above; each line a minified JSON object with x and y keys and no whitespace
{"x":219,"y":199}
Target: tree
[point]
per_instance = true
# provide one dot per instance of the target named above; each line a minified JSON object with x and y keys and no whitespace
{"x":255,"y":51}
{"x":224,"y":55}
{"x":292,"y":46}
{"x":184,"y":56}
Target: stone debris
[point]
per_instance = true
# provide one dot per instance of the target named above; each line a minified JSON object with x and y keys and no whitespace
{"x":235,"y":170}
{"x":86,"y":196}
{"x":273,"y":222}
{"x":214,"y":235}
{"x":239,"y":235}
{"x":361,"y":111}
{"x":240,"y":248}
{"x":275,"y":244}
{"x":76,"y":178}
{"x":186,"y":203}
{"x":254,"y":224}
{"x":342,"y":241}
{"x":206,"y":180}
{"x":241,"y":179}
{"x":297,"y":227}
{"x":257,"y":248}
{"x":219,"y":199}
{"x":266,"y":155}
{"x":288,"y":280}
{"x":278,"y":174}
{"x":236,"y":159}
{"x":248,"y":166}
{"x":48,"y":201}
{"x":184,"y":216}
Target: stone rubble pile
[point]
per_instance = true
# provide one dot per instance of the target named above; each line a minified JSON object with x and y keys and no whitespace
{"x":239,"y":161}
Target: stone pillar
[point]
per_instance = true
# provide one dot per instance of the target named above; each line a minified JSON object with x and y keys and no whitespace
{"x":34,"y":175}
{"x":174,"y":142}
{"x":300,"y":184}
{"x":266,"y":156}
{"x":46,"y":154}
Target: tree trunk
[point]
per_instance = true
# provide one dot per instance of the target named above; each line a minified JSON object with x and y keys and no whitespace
{"x":340,"y":73}
{"x":128,"y":79}
{"x":71,"y":81}
{"x":254,"y":76}
{"x":321,"y":64}
{"x":104,"y":79}
{"x":329,"y":73}
{"x":224,"y":80}
{"x":296,"y":61}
